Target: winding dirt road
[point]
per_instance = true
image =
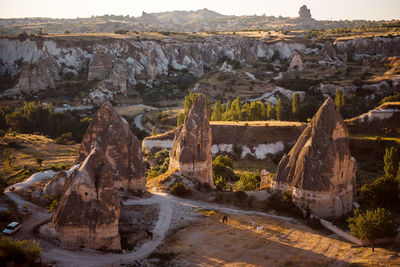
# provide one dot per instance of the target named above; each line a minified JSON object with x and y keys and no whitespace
{"x":65,"y":256}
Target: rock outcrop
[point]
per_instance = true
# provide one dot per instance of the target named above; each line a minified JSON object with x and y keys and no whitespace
{"x":296,"y":64}
{"x":111,"y":134}
{"x":110,"y":159}
{"x":101,"y":65}
{"x":319,"y":170}
{"x":191,"y":149}
{"x":40,"y":77}
{"x":89,"y":210}
{"x":56,"y":184}
{"x":304,"y":13}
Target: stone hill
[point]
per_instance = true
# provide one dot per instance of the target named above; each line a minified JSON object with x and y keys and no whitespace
{"x":123,"y":150}
{"x":319,"y":169}
{"x":89,"y":210}
{"x":191,"y":149}
{"x":110,"y":159}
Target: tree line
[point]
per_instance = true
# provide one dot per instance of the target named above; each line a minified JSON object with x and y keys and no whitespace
{"x":33,"y":117}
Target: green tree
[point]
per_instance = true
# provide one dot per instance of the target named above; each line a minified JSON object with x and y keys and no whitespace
{"x":279,"y":110}
{"x":181,"y":119}
{"x":339,"y":100}
{"x":391,"y":160}
{"x":217,"y":112}
{"x":154,"y":131}
{"x":295,"y":104}
{"x":24,"y":251}
{"x":270,"y":111}
{"x":222,"y":166}
{"x":248,"y":182}
{"x":371,"y":224}
{"x":383,"y":192}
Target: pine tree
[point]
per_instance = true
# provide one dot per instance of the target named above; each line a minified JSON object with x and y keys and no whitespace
{"x":295,"y":103}
{"x":391,"y":160}
{"x":270,"y":111}
{"x":181,"y":119}
{"x":339,"y":100}
{"x":279,"y":110}
{"x":217,"y":112}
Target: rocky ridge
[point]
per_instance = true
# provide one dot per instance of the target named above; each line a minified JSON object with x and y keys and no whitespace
{"x":319,"y":170}
{"x":191,"y":149}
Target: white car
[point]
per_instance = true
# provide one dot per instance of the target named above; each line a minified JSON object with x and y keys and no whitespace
{"x":12,"y":228}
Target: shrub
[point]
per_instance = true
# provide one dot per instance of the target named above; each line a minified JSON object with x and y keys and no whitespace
{"x":24,"y":251}
{"x":180,"y":189}
{"x":65,"y":139}
{"x":121,"y":31}
{"x":248,"y":182}
{"x":222,"y":166}
{"x":219,"y":183}
{"x":53,"y":206}
{"x":371,"y":224}
{"x":282,"y":202}
{"x":383,"y":192}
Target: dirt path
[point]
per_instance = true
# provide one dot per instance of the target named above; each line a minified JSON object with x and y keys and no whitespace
{"x":138,"y":122}
{"x":169,"y":205}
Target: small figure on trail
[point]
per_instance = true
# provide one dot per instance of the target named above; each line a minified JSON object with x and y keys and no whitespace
{"x":225,"y":219}
{"x":149,"y":235}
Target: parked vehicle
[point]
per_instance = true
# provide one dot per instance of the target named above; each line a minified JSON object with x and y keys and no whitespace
{"x":12,"y":228}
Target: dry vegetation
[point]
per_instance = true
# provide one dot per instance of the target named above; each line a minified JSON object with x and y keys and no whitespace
{"x":26,"y":148}
{"x":212,"y":243}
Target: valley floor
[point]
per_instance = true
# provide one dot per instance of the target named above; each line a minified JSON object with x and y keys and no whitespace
{"x":195,"y":232}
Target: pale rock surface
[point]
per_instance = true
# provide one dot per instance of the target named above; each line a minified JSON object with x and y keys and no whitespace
{"x":191,"y":149}
{"x":41,"y":77}
{"x":101,"y":65}
{"x":319,"y":170}
{"x":296,"y":64}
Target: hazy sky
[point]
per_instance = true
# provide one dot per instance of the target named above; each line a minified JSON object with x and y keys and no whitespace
{"x":320,"y":9}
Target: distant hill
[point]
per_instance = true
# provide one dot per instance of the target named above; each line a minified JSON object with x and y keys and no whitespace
{"x":186,"y":16}
{"x":175,"y":21}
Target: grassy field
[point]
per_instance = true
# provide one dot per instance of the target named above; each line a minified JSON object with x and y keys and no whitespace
{"x":26,"y":148}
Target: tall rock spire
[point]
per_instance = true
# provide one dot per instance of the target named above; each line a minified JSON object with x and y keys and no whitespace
{"x":319,"y":169}
{"x":191,"y":150}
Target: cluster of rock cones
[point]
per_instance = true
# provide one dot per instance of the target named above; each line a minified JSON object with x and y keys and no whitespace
{"x":319,"y":171}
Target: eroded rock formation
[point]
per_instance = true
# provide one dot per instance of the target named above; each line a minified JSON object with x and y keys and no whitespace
{"x":89,"y":209}
{"x":304,"y":13}
{"x":319,"y":170}
{"x":191,"y":149}
{"x":110,"y":159}
{"x":111,"y":133}
{"x":40,"y":77}
{"x":296,"y":64}
{"x":101,"y":65}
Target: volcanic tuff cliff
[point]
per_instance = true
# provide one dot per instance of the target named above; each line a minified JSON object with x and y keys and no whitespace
{"x":319,"y":169}
{"x":191,"y":149}
{"x":135,"y":60}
